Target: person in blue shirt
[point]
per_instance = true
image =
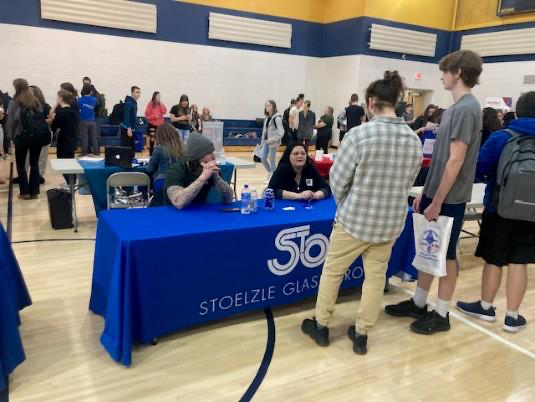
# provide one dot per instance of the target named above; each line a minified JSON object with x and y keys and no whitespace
{"x":128,"y":125}
{"x":503,"y":242}
{"x":88,"y":123}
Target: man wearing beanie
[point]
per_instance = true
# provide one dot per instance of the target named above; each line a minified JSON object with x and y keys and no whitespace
{"x":190,"y":181}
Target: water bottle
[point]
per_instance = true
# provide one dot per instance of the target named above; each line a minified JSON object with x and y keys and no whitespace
{"x":245,"y":200}
{"x":254,"y":200}
{"x":269,"y":199}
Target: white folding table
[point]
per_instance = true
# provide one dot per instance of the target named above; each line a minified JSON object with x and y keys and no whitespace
{"x":239,"y":164}
{"x":478,"y":193}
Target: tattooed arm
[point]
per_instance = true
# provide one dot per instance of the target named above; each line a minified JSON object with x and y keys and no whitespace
{"x":181,"y":197}
{"x":224,"y":189}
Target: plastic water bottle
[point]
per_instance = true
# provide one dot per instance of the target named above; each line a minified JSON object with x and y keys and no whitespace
{"x":245,"y":200}
{"x":269,"y":199}
{"x":254,"y":200}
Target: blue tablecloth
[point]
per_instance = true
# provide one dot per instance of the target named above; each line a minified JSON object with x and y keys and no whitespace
{"x":159,"y":270}
{"x":97,"y":174}
{"x":14,"y":297}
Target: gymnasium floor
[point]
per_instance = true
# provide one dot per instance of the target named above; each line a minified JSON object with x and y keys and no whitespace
{"x":474,"y":362}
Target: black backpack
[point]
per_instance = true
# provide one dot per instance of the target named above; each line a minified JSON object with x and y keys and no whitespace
{"x":116,"y":116}
{"x":35,"y":130}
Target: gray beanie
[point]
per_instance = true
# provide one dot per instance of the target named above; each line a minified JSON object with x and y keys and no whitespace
{"x":198,"y":147}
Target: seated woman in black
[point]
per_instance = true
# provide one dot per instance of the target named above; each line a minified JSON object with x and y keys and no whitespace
{"x":296,"y":178}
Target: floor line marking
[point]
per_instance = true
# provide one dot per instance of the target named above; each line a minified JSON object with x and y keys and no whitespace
{"x":481,"y":329}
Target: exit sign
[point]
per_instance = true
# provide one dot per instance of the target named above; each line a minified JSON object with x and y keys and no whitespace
{"x":419,"y":76}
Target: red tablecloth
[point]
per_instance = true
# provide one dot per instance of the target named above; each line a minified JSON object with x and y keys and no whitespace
{"x":324,"y":166}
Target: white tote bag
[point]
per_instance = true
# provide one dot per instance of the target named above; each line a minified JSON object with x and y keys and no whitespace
{"x":431,"y":240}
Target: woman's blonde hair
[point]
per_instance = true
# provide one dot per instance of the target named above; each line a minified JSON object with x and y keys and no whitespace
{"x":167,"y":136}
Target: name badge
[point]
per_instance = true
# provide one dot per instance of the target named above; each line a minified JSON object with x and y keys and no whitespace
{"x":310,"y":182}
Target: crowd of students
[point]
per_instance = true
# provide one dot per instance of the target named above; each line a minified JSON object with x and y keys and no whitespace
{"x":376,"y":165}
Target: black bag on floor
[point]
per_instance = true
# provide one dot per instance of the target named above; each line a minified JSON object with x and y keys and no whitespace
{"x":60,"y":208}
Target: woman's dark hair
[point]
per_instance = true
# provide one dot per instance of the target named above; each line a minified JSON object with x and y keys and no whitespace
{"x":273,"y":108}
{"x":387,"y":92}
{"x":508,"y":118}
{"x":525,"y":106}
{"x":437,"y":116}
{"x":184,"y":98}
{"x":154,"y":95}
{"x":87,"y":90}
{"x":20,"y":85}
{"x":426,"y":117}
{"x":67,"y":86}
{"x":38,"y":94}
{"x":491,"y":121}
{"x":289,"y":149}
{"x":66,"y":97}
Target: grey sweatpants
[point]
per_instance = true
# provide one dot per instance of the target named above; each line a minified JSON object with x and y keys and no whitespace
{"x":88,"y":137}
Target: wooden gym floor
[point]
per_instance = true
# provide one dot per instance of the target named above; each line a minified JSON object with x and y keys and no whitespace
{"x":475,"y":361}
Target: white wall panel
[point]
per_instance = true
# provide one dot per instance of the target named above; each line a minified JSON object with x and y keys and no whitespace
{"x":400,"y":40}
{"x":249,"y":30}
{"x":121,"y":14}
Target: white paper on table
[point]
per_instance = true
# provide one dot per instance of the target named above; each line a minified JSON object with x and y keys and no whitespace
{"x":289,"y":209}
{"x":90,"y":159}
{"x":319,"y":155}
{"x":428,"y":146}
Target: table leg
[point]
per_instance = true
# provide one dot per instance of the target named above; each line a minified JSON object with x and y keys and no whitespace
{"x":235,"y":183}
{"x":73,"y":198}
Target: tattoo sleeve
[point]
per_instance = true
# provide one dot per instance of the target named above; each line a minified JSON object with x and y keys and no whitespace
{"x":181,"y":197}
{"x":224,"y":189}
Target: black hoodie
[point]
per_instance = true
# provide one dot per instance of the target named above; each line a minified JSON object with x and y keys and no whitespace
{"x":65,"y":124}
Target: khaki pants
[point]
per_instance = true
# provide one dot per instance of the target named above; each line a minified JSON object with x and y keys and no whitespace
{"x":343,"y":251}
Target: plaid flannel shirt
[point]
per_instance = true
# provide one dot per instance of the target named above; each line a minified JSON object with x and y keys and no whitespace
{"x":375,"y":168}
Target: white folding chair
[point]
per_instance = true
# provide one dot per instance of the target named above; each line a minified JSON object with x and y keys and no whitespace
{"x":121,"y":198}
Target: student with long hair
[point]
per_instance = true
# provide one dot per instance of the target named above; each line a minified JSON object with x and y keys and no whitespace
{"x":272,"y":134}
{"x":43,"y":158}
{"x":196,"y":124}
{"x":374,"y":170}
{"x":154,"y":113}
{"x":180,"y":115}
{"x":26,"y":121}
{"x":169,"y":150}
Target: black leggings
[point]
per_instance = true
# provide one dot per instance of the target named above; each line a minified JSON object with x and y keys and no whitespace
{"x":28,"y":187}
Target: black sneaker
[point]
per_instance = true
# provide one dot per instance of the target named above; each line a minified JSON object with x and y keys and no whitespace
{"x":433,"y":322}
{"x":359,"y":341}
{"x":476,"y":310}
{"x":320,"y":335}
{"x":514,"y":325}
{"x":406,"y":308}
{"x":41,"y":180}
{"x":15,"y":180}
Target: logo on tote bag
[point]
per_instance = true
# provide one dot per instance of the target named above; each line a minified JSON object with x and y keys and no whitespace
{"x":430,"y":241}
{"x":298,"y":243}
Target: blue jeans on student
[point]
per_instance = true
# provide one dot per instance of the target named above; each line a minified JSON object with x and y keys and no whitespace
{"x":184,"y":134}
{"x":268,"y":158}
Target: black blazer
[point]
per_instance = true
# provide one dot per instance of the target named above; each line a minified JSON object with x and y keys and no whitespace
{"x":284,"y":180}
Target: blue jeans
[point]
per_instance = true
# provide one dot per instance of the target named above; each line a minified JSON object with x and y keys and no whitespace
{"x":184,"y":134}
{"x":268,"y":158}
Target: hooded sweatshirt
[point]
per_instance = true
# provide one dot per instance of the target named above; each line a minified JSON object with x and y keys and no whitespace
{"x":130,"y":113}
{"x":489,"y":156}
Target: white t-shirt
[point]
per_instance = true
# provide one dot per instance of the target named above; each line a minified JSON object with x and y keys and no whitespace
{"x":294,"y":115}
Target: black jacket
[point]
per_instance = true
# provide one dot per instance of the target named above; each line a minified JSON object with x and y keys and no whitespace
{"x":66,"y":125}
{"x":284,"y":180}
